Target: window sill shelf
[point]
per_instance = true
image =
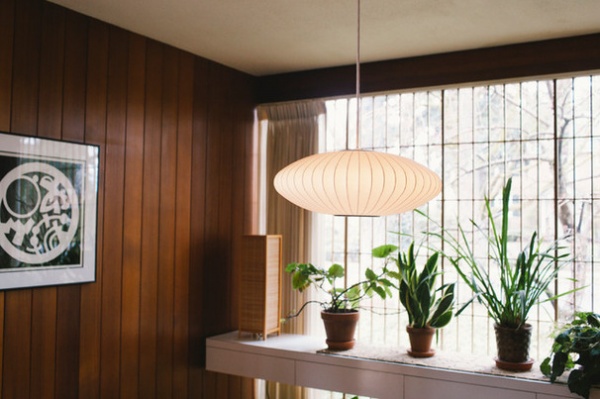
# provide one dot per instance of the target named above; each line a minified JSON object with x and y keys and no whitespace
{"x":298,"y":360}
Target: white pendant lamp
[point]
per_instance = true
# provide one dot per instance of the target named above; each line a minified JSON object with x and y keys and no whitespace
{"x":357,"y":182}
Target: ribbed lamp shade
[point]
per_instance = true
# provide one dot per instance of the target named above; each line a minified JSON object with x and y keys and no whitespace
{"x":357,"y":183}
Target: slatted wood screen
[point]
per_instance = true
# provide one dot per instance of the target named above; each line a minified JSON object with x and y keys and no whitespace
{"x":174,"y":132}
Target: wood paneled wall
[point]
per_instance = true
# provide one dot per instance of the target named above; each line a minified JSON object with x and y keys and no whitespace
{"x":174,"y":132}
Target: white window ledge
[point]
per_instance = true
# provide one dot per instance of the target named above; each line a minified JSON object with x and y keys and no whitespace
{"x":385,"y":374}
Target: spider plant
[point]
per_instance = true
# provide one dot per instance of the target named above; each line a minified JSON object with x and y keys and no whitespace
{"x":520,"y":283}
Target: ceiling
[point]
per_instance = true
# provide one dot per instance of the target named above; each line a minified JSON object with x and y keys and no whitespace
{"x":264,"y":37}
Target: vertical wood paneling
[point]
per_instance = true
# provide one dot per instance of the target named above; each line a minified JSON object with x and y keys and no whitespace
{"x":218,"y":210}
{"x":44,"y":302}
{"x":17,"y":351}
{"x":7,"y":19}
{"x":171,"y":129}
{"x":197,"y":229}
{"x":17,"y":362}
{"x":43,"y":341}
{"x":132,"y":228}
{"x":95,"y":133}
{"x":73,"y":125}
{"x":223,"y":386}
{"x":215,"y":281}
{"x":67,"y":342}
{"x":150,"y":220}
{"x":210,"y":385}
{"x":74,"y":84}
{"x":166,"y":254}
{"x":113,"y":214}
{"x":222,"y":117}
{"x":6,"y":53}
{"x":182,"y":226}
{"x":26,"y":62}
{"x":242,"y":150}
{"x":51,"y":72}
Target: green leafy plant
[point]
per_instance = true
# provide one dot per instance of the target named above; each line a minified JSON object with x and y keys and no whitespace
{"x":577,"y":348}
{"x":418,"y":291}
{"x":341,"y":299}
{"x":520,"y":284}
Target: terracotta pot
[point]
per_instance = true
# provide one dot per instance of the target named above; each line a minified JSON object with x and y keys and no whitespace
{"x":339,"y":328}
{"x":420,"y":341}
{"x":513,"y":347}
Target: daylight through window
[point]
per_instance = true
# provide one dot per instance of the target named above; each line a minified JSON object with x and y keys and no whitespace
{"x":544,"y":134}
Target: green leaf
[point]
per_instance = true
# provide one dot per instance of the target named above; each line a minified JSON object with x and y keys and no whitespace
{"x":395,"y":275}
{"x":336,"y":271}
{"x":445,"y":303}
{"x":578,"y":383}
{"x":545,"y":367}
{"x":442,"y":320}
{"x":559,"y":362}
{"x":593,"y":320}
{"x":383,"y":251}
{"x":370,"y":275}
{"x":380,"y":291}
{"x":291,"y":267}
{"x":385,"y":282}
{"x":299,"y":281}
{"x":353,"y":293}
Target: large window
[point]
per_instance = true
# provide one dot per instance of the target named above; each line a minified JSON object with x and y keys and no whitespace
{"x":544,"y":134}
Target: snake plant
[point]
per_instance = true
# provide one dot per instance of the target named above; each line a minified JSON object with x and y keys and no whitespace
{"x":417,"y":290}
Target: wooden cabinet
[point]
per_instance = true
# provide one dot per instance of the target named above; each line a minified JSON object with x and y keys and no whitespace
{"x":260,"y":304}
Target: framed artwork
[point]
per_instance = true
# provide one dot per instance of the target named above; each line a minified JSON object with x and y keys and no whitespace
{"x":48,"y":211}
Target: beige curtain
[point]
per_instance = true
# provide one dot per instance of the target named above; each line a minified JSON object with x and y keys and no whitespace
{"x":292,"y":133}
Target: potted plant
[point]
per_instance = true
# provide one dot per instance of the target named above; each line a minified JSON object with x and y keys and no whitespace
{"x":577,"y":348}
{"x":419,"y":296}
{"x":340,"y":312}
{"x":509,"y":287}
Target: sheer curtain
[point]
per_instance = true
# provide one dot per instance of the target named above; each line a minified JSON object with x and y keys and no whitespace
{"x":288,"y":132}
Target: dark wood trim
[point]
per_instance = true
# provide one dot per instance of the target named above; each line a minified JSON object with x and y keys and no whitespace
{"x":548,"y":57}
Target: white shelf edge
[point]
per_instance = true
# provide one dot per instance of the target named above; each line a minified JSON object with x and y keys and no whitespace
{"x":301,"y":350}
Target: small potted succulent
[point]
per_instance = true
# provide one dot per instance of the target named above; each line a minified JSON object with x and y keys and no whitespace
{"x":340,"y":312}
{"x":577,"y":348}
{"x":418,"y":294}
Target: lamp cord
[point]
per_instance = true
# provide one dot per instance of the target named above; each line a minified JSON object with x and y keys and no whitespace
{"x":358,"y":102}
{"x":358,"y":109}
